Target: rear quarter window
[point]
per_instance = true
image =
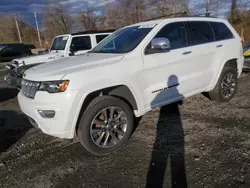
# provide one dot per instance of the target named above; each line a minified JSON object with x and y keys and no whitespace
{"x":221,"y":31}
{"x":200,"y":32}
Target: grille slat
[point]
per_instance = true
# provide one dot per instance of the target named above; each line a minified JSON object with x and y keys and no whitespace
{"x":29,"y":88}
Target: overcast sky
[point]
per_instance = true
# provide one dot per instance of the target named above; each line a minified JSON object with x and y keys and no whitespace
{"x":26,"y":8}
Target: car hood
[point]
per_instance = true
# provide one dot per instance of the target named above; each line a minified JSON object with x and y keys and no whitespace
{"x":56,"y":70}
{"x":39,"y":58}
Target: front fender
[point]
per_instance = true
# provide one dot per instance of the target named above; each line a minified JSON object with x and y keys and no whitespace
{"x":82,"y":95}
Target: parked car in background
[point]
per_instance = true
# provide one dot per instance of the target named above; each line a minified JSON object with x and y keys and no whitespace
{"x":30,"y":47}
{"x":9,"y":52}
{"x":246,"y":53}
{"x":62,"y":46}
{"x":45,"y":51}
{"x":96,"y":96}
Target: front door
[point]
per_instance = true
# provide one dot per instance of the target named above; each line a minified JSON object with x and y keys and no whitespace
{"x":167,"y":73}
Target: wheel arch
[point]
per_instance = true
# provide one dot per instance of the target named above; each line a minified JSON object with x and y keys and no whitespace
{"x":121,"y":91}
{"x":228,"y":63}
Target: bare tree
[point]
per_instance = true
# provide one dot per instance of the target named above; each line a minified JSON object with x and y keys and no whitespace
{"x":132,"y":10}
{"x":8,"y":31}
{"x":57,"y":20}
{"x":239,"y":11}
{"x":115,"y":18}
{"x":233,"y":15}
{"x":207,"y":6}
{"x":91,"y":20}
{"x":126,"y":12}
{"x":168,"y":7}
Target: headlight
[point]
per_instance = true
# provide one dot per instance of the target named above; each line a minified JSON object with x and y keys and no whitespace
{"x":54,"y":86}
{"x":20,"y":70}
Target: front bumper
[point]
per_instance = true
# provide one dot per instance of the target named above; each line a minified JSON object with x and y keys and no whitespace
{"x":12,"y":79}
{"x":61,"y":125}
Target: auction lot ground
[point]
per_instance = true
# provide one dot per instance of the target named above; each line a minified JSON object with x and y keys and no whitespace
{"x":217,"y":149}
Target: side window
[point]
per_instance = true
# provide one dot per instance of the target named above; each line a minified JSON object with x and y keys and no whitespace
{"x":221,"y":31}
{"x":7,"y":51}
{"x":17,"y":48}
{"x":99,"y":38}
{"x":201,"y":32}
{"x":81,"y":43}
{"x":176,"y":34}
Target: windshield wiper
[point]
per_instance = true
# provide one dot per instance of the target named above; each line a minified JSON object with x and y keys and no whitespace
{"x":100,"y":51}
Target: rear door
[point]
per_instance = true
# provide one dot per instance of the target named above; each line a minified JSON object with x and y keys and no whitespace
{"x":203,"y":49}
{"x":226,"y":45}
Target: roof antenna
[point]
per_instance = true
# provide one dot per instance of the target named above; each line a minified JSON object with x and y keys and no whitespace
{"x":208,"y":14}
{"x":183,"y":13}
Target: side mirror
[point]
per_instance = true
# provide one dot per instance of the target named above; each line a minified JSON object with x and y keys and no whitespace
{"x":160,"y":44}
{"x":72,"y":50}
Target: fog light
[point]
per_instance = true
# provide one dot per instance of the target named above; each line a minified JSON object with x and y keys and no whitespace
{"x":47,"y":113}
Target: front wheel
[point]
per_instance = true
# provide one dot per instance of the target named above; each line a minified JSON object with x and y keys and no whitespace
{"x":226,"y":86}
{"x":106,"y":125}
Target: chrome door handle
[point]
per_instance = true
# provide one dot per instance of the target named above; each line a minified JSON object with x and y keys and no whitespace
{"x":186,"y":53}
{"x":219,"y":46}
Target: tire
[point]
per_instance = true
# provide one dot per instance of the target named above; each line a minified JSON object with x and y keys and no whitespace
{"x":217,"y":94}
{"x":90,"y":140}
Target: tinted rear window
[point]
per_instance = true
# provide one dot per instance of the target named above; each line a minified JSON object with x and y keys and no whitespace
{"x":99,"y":38}
{"x":201,"y":32}
{"x":81,"y":43}
{"x":221,"y":31}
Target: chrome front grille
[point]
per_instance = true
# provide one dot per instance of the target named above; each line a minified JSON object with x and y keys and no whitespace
{"x":29,"y":88}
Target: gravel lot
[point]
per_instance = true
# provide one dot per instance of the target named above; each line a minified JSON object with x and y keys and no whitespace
{"x":197,"y":144}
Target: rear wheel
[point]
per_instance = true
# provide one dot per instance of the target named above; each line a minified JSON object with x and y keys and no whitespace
{"x":106,"y":125}
{"x":226,"y":86}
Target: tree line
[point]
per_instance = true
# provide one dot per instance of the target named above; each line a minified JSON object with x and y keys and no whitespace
{"x":58,"y":19}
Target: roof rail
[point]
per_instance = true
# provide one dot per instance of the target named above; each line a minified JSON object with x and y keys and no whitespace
{"x":206,"y":14}
{"x":94,"y":31}
{"x":183,"y":13}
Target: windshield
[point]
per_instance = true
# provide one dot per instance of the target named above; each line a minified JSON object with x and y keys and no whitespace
{"x":59,"y":43}
{"x":2,"y":46}
{"x":123,"y":41}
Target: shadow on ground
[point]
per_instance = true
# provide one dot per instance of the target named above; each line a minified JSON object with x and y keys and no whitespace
{"x":7,"y":94}
{"x":13,"y":127}
{"x":169,"y":142}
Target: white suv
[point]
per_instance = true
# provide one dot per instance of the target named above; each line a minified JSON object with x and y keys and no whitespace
{"x":62,"y":46}
{"x":97,"y":96}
